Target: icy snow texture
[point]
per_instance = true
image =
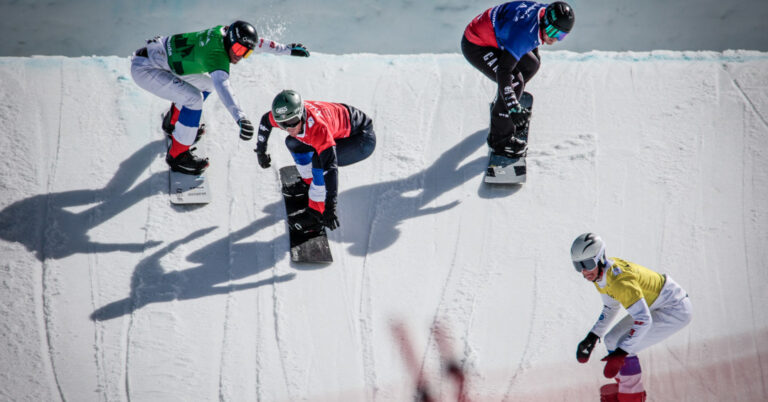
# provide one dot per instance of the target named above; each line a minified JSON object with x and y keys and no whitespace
{"x":118,"y":27}
{"x":108,"y":292}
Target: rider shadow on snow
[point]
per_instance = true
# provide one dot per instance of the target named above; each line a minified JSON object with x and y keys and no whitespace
{"x":383,"y":206}
{"x":225,"y":260}
{"x":44,"y":226}
{"x":220,"y":262}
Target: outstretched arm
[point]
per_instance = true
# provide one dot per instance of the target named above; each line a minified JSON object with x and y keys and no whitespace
{"x":224,"y":90}
{"x":269,"y":46}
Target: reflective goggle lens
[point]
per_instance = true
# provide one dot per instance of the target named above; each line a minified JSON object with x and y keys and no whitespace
{"x":241,"y":51}
{"x":588,"y":264}
{"x":585,"y":265}
{"x":555,"y":33}
{"x":290,"y":123}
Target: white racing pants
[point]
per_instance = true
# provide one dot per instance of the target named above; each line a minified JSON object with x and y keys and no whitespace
{"x":153,"y":74}
{"x":672,"y":314}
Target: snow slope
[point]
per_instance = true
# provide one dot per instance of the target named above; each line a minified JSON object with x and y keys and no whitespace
{"x":108,"y":292}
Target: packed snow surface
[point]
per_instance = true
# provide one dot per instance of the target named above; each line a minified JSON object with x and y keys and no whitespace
{"x":110,"y":293}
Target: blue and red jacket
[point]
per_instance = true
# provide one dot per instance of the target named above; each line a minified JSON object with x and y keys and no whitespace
{"x":512,"y":27}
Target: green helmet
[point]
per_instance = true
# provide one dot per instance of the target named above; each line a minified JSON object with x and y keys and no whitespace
{"x":287,"y":105}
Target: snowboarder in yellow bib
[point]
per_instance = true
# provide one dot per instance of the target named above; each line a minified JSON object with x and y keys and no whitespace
{"x":657,"y":307}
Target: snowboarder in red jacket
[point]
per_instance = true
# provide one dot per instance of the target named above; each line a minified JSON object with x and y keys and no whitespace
{"x":321,"y":137}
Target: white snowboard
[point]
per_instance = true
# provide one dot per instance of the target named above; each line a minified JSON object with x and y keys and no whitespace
{"x":189,"y":189}
{"x":503,"y":170}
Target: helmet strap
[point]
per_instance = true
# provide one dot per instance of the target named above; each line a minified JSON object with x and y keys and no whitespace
{"x":601,"y":270}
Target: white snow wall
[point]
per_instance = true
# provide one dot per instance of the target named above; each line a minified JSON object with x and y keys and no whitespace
{"x":108,"y":292}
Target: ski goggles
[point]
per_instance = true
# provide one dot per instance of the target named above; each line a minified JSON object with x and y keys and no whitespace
{"x":553,"y":32}
{"x":241,"y":51}
{"x":588,"y":264}
{"x":290,"y":123}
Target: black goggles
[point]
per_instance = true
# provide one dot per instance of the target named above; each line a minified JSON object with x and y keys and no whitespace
{"x":290,"y":123}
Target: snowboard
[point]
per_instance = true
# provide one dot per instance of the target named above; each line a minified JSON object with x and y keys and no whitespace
{"x":504,"y":170}
{"x":305,"y":247}
{"x":188,"y":189}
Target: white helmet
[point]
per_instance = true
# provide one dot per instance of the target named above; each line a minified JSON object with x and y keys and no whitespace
{"x":587,"y":251}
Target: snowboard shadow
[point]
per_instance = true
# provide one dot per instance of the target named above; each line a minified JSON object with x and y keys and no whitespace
{"x":219,"y":263}
{"x":497,"y":190}
{"x":225,"y":260}
{"x":385,"y":205}
{"x":45,"y":227}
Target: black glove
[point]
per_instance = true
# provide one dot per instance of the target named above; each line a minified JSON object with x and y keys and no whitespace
{"x":264,"y":159}
{"x":246,"y":129}
{"x":297,"y":49}
{"x":519,"y":114}
{"x":586,"y":346}
{"x":613,"y":362}
{"x":329,"y":216}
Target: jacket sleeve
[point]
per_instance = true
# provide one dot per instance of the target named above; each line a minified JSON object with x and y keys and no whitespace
{"x":265,"y":128}
{"x":223,"y":88}
{"x":641,"y":315}
{"x":269,"y":46}
{"x":505,"y":78}
{"x":610,"y":309}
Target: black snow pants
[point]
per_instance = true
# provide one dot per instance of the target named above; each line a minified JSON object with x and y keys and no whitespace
{"x":488,"y":60}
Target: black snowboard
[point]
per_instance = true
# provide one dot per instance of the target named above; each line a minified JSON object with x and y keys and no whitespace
{"x":504,"y":170}
{"x":305,"y":247}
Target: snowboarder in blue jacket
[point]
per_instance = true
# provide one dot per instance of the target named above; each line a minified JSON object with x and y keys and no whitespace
{"x":503,"y":43}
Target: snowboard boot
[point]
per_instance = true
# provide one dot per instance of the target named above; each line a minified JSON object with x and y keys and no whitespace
{"x":187,"y":163}
{"x":169,"y":123}
{"x":609,"y":393}
{"x":635,"y":397}
{"x":512,"y":147}
{"x":521,"y":132}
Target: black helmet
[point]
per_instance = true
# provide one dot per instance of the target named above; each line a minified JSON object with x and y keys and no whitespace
{"x":243,"y":34}
{"x":558,"y":15}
